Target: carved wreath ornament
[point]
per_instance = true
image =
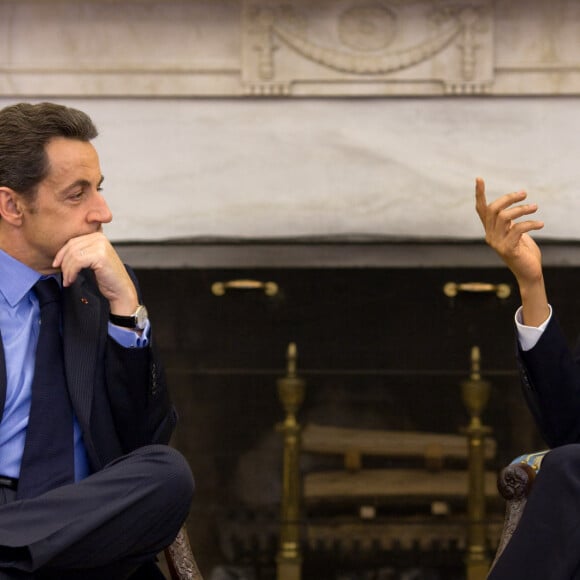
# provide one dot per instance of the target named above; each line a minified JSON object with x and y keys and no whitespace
{"x":366,"y":32}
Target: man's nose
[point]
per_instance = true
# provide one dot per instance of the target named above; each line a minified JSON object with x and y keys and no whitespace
{"x":100,"y":212}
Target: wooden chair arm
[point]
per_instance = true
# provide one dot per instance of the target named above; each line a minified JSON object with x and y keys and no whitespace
{"x":514,"y":484}
{"x":180,"y":560}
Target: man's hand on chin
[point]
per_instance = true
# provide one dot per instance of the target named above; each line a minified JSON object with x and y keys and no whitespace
{"x":96,"y":252}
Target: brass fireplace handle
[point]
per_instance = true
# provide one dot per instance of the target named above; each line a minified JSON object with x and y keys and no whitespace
{"x":451,"y":289}
{"x":219,"y":288}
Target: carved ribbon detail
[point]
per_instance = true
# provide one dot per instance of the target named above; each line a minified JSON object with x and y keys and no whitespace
{"x":365,"y":64}
{"x":459,"y":24}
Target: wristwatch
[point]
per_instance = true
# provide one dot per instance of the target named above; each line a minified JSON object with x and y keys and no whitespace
{"x":137,"y":320}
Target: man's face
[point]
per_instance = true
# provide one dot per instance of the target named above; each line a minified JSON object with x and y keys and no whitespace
{"x":68,"y":201}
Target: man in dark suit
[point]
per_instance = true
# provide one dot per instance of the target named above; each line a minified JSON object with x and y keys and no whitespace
{"x":102,"y":493}
{"x":546,"y":543}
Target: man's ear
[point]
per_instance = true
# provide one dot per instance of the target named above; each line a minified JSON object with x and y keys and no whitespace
{"x":11,"y":208}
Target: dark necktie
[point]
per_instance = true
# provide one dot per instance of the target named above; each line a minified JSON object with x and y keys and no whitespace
{"x":48,"y":459}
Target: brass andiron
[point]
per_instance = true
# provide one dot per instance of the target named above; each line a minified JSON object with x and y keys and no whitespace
{"x":475,"y":393}
{"x":291,"y":393}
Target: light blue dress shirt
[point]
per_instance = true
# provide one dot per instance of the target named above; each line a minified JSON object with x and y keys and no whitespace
{"x":19,"y":326}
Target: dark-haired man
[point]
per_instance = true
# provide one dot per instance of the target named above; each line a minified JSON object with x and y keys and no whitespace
{"x":88,"y":486}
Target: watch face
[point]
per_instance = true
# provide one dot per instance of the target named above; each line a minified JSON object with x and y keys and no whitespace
{"x":141,"y":316}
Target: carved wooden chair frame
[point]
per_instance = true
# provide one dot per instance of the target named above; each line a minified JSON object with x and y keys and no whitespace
{"x":514,"y":484}
{"x":180,"y":560}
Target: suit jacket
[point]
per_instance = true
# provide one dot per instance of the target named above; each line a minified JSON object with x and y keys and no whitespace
{"x":550,"y":374}
{"x":119,"y":395}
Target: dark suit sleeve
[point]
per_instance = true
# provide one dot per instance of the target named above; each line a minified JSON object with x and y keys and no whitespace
{"x":138,"y":394}
{"x":550,"y":375}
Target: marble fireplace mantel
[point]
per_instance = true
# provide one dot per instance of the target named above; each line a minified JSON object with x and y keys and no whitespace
{"x":224,"y":48}
{"x":339,"y":119}
{"x":341,"y":169}
{"x":290,"y":254}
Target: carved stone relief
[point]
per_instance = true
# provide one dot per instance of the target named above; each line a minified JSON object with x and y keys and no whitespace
{"x":446,"y":47}
{"x":336,"y":48}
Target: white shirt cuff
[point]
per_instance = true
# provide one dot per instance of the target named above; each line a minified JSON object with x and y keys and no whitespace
{"x":529,"y":335}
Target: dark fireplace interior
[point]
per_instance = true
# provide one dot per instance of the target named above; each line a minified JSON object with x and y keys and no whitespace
{"x":378,"y":347}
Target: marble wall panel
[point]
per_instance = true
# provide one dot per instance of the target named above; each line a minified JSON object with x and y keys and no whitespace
{"x":288,"y":47}
{"x":119,"y":48}
{"x":192,"y":148}
{"x":340,"y":169}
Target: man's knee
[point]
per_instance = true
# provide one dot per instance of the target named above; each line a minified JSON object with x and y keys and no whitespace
{"x":169,"y":474}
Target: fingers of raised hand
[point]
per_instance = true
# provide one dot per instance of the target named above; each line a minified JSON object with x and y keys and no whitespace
{"x":501,"y":212}
{"x":480,"y":201}
{"x":515,"y":212}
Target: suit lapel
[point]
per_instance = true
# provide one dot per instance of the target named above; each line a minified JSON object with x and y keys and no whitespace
{"x":81,"y":336}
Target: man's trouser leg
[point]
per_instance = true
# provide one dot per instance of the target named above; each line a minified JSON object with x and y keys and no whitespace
{"x":121,"y":516}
